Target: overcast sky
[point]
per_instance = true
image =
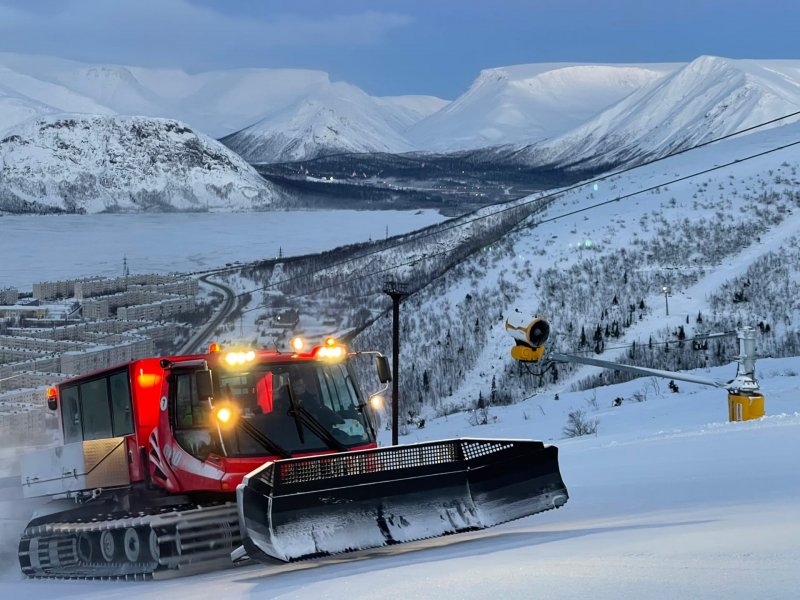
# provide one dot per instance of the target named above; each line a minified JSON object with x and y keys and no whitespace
{"x":390,"y":47}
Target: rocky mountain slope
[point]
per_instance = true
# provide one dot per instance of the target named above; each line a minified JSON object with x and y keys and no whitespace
{"x":79,"y":163}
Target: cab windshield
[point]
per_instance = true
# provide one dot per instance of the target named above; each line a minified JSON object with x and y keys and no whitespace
{"x":324,"y":392}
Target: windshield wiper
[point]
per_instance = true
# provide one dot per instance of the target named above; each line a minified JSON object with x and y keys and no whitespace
{"x":262,"y":439}
{"x":361,"y":408}
{"x":295,"y":412}
{"x":303,"y":417}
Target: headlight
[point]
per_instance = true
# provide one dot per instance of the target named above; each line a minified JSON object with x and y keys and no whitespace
{"x":239,"y":358}
{"x":330,"y":352}
{"x":226,"y":414}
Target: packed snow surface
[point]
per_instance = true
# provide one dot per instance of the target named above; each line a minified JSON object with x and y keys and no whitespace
{"x":668,"y":500}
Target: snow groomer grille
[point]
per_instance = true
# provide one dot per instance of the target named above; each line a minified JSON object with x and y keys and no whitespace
{"x":381,"y":460}
{"x":476,"y":449}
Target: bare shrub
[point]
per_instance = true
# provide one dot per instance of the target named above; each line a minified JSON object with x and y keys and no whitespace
{"x":479,"y":416}
{"x":653,"y":384}
{"x":578,"y":424}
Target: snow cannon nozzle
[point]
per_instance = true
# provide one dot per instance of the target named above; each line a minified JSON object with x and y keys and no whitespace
{"x":529,"y":336}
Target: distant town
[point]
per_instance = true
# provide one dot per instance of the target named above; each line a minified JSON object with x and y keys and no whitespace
{"x":75,"y":326}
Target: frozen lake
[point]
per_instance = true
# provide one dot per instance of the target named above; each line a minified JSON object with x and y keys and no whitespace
{"x":50,"y":247}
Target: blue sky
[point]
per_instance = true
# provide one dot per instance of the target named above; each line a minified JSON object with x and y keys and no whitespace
{"x":390,"y":47}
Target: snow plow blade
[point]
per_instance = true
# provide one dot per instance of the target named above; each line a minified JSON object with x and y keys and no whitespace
{"x":304,"y":507}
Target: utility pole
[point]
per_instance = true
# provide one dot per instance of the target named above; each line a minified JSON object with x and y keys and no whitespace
{"x":397,"y":291}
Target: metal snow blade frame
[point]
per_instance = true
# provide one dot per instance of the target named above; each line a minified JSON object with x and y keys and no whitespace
{"x":303,"y":507}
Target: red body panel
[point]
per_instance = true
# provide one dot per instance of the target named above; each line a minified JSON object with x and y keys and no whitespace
{"x":147,"y":384}
{"x":152,"y":449}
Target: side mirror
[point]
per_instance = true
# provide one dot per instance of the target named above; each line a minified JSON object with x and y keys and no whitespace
{"x":202,"y":382}
{"x":383,"y":369}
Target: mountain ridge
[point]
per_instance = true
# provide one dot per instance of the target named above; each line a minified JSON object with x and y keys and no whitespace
{"x":706,"y":99}
{"x":80,"y":163}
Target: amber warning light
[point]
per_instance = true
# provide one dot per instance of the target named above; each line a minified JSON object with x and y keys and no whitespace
{"x":52,"y":398}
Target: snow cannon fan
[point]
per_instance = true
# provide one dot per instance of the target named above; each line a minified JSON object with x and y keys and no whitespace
{"x":529,"y":336}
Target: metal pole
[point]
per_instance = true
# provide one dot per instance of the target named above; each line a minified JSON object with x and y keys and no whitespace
{"x":397,"y":292}
{"x":395,"y":366}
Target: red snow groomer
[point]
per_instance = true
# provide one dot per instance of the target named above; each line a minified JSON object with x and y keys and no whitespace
{"x":188,"y":462}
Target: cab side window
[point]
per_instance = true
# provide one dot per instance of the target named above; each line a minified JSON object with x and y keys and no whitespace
{"x":71,"y":414}
{"x":121,"y":407}
{"x":95,"y":410}
{"x":189,"y":411}
{"x":191,"y":418}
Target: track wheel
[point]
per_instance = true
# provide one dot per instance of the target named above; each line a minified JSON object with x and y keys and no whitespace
{"x":152,"y":539}
{"x":108,"y":546}
{"x":132,"y":545}
{"x":84,"y":549}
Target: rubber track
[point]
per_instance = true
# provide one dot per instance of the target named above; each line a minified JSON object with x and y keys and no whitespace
{"x":185,"y":538}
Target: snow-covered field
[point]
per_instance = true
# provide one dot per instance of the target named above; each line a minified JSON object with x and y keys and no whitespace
{"x":668,"y":500}
{"x":51,"y":247}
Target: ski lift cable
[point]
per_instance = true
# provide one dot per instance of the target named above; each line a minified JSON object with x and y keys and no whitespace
{"x":507,"y":207}
{"x":540,"y":222}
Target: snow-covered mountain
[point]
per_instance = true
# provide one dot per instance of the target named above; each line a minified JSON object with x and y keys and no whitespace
{"x":23,"y":97}
{"x":85,"y":163}
{"x":338,"y":118}
{"x":279,"y":114}
{"x":545,"y":114}
{"x":708,"y":98}
{"x":404,"y":111}
{"x":528,"y":103}
{"x":217,"y":103}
